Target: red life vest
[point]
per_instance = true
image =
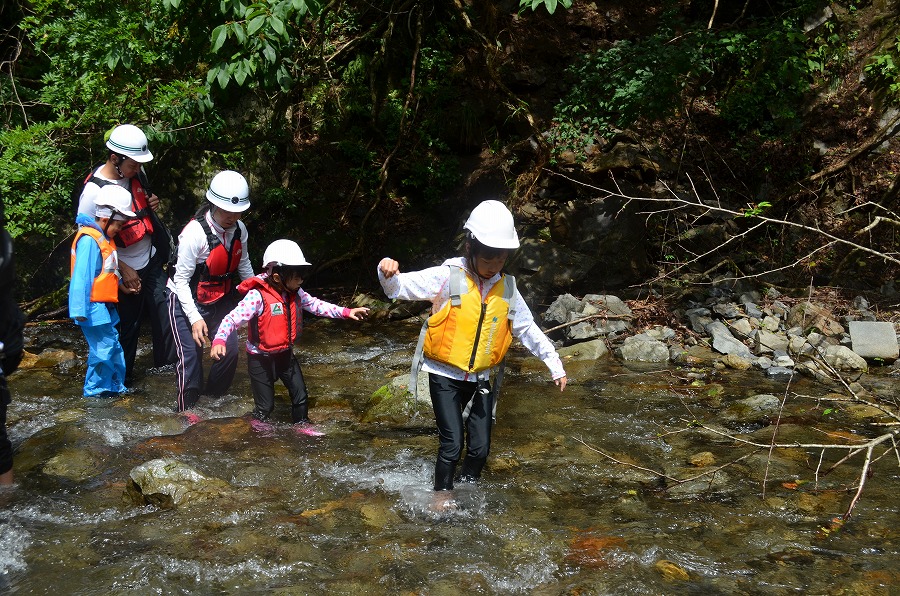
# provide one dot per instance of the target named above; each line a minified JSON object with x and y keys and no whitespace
{"x":134,"y":229}
{"x":281,"y":320}
{"x":106,"y":285}
{"x":212,"y":279}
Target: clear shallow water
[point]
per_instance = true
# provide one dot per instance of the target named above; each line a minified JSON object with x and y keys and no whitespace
{"x":349,"y":512}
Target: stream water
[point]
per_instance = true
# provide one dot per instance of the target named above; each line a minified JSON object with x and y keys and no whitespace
{"x":349,"y":512}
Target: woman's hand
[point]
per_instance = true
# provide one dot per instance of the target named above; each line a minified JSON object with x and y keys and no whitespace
{"x":200,"y":333}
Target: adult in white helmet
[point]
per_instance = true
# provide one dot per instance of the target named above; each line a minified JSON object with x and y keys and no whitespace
{"x":212,"y":252}
{"x":476,"y":312}
{"x":142,"y":245}
{"x":94,"y":290}
{"x":272,"y":307}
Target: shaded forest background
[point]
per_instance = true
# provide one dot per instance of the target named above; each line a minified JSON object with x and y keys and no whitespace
{"x":661,"y":145}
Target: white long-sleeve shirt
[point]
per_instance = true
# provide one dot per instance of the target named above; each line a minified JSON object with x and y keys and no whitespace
{"x":432,"y":284}
{"x":193,"y":248}
{"x":138,"y":254}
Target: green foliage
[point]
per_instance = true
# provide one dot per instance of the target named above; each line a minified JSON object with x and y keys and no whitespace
{"x":35,"y":180}
{"x":256,"y":44}
{"x":883,"y":71}
{"x":756,"y":76}
{"x":550,"y":5}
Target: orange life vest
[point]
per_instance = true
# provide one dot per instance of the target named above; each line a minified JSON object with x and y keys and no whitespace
{"x":106,"y":285}
{"x":280,"y":322}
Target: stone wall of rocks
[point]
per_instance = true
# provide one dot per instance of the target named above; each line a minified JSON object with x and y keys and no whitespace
{"x":741,"y":331}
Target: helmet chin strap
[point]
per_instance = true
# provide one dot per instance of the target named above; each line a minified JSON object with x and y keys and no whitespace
{"x":119,"y":160}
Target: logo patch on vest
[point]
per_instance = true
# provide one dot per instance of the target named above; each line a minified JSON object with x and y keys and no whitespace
{"x":276,"y":309}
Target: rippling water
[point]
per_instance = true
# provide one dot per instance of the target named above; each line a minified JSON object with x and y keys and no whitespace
{"x":350,"y":512}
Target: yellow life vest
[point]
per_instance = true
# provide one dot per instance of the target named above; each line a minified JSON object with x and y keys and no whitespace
{"x":468,"y":333}
{"x":106,"y":285}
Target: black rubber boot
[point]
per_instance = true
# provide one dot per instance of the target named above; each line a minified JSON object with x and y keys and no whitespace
{"x":300,"y":413}
{"x":471,"y":469}
{"x":443,"y":475}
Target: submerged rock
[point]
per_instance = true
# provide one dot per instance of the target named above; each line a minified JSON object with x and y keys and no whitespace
{"x":169,"y":483}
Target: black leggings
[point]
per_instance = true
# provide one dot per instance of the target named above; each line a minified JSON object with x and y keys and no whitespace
{"x":449,"y":398}
{"x":264,"y":370}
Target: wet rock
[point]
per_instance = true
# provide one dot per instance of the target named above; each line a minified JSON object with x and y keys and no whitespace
{"x":394,"y":402}
{"x":169,"y":483}
{"x":49,"y":358}
{"x":692,"y":355}
{"x":872,"y":339}
{"x":736,"y":362}
{"x":702,"y":459}
{"x":751,"y":407}
{"x":74,"y":464}
{"x":588,"y":350}
{"x":671,"y":571}
{"x":596,"y":552}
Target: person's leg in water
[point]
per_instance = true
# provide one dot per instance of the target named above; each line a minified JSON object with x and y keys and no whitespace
{"x":291,"y":375}
{"x":261,"y":370}
{"x":221,"y":372}
{"x":448,"y":397}
{"x":479,"y":424}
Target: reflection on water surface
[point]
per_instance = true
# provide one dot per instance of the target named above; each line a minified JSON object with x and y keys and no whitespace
{"x":349,"y":512}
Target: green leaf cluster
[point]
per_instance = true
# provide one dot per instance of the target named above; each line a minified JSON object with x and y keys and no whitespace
{"x":883,"y":71}
{"x":35,"y":180}
{"x":754,"y":74}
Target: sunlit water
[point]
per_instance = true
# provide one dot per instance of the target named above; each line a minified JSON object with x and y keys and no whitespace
{"x":350,"y":512}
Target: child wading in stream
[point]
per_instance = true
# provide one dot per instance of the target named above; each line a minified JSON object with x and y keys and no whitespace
{"x":476,"y":311}
{"x":94,"y":290}
{"x":273,"y":307}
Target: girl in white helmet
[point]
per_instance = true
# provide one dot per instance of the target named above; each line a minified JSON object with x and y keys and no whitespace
{"x":476,"y":311}
{"x":273,"y":309}
{"x":212,"y":252}
{"x":94,"y":290}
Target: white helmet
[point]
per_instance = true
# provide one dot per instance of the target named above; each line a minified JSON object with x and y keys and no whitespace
{"x":130,"y":141}
{"x":492,"y":224}
{"x":114,"y":202}
{"x":283,"y":252}
{"x":229,"y":191}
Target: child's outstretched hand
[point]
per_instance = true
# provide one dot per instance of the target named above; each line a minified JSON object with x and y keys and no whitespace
{"x":561,"y":382}
{"x":389,"y":267}
{"x":217,"y":351}
{"x":358,"y":314}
